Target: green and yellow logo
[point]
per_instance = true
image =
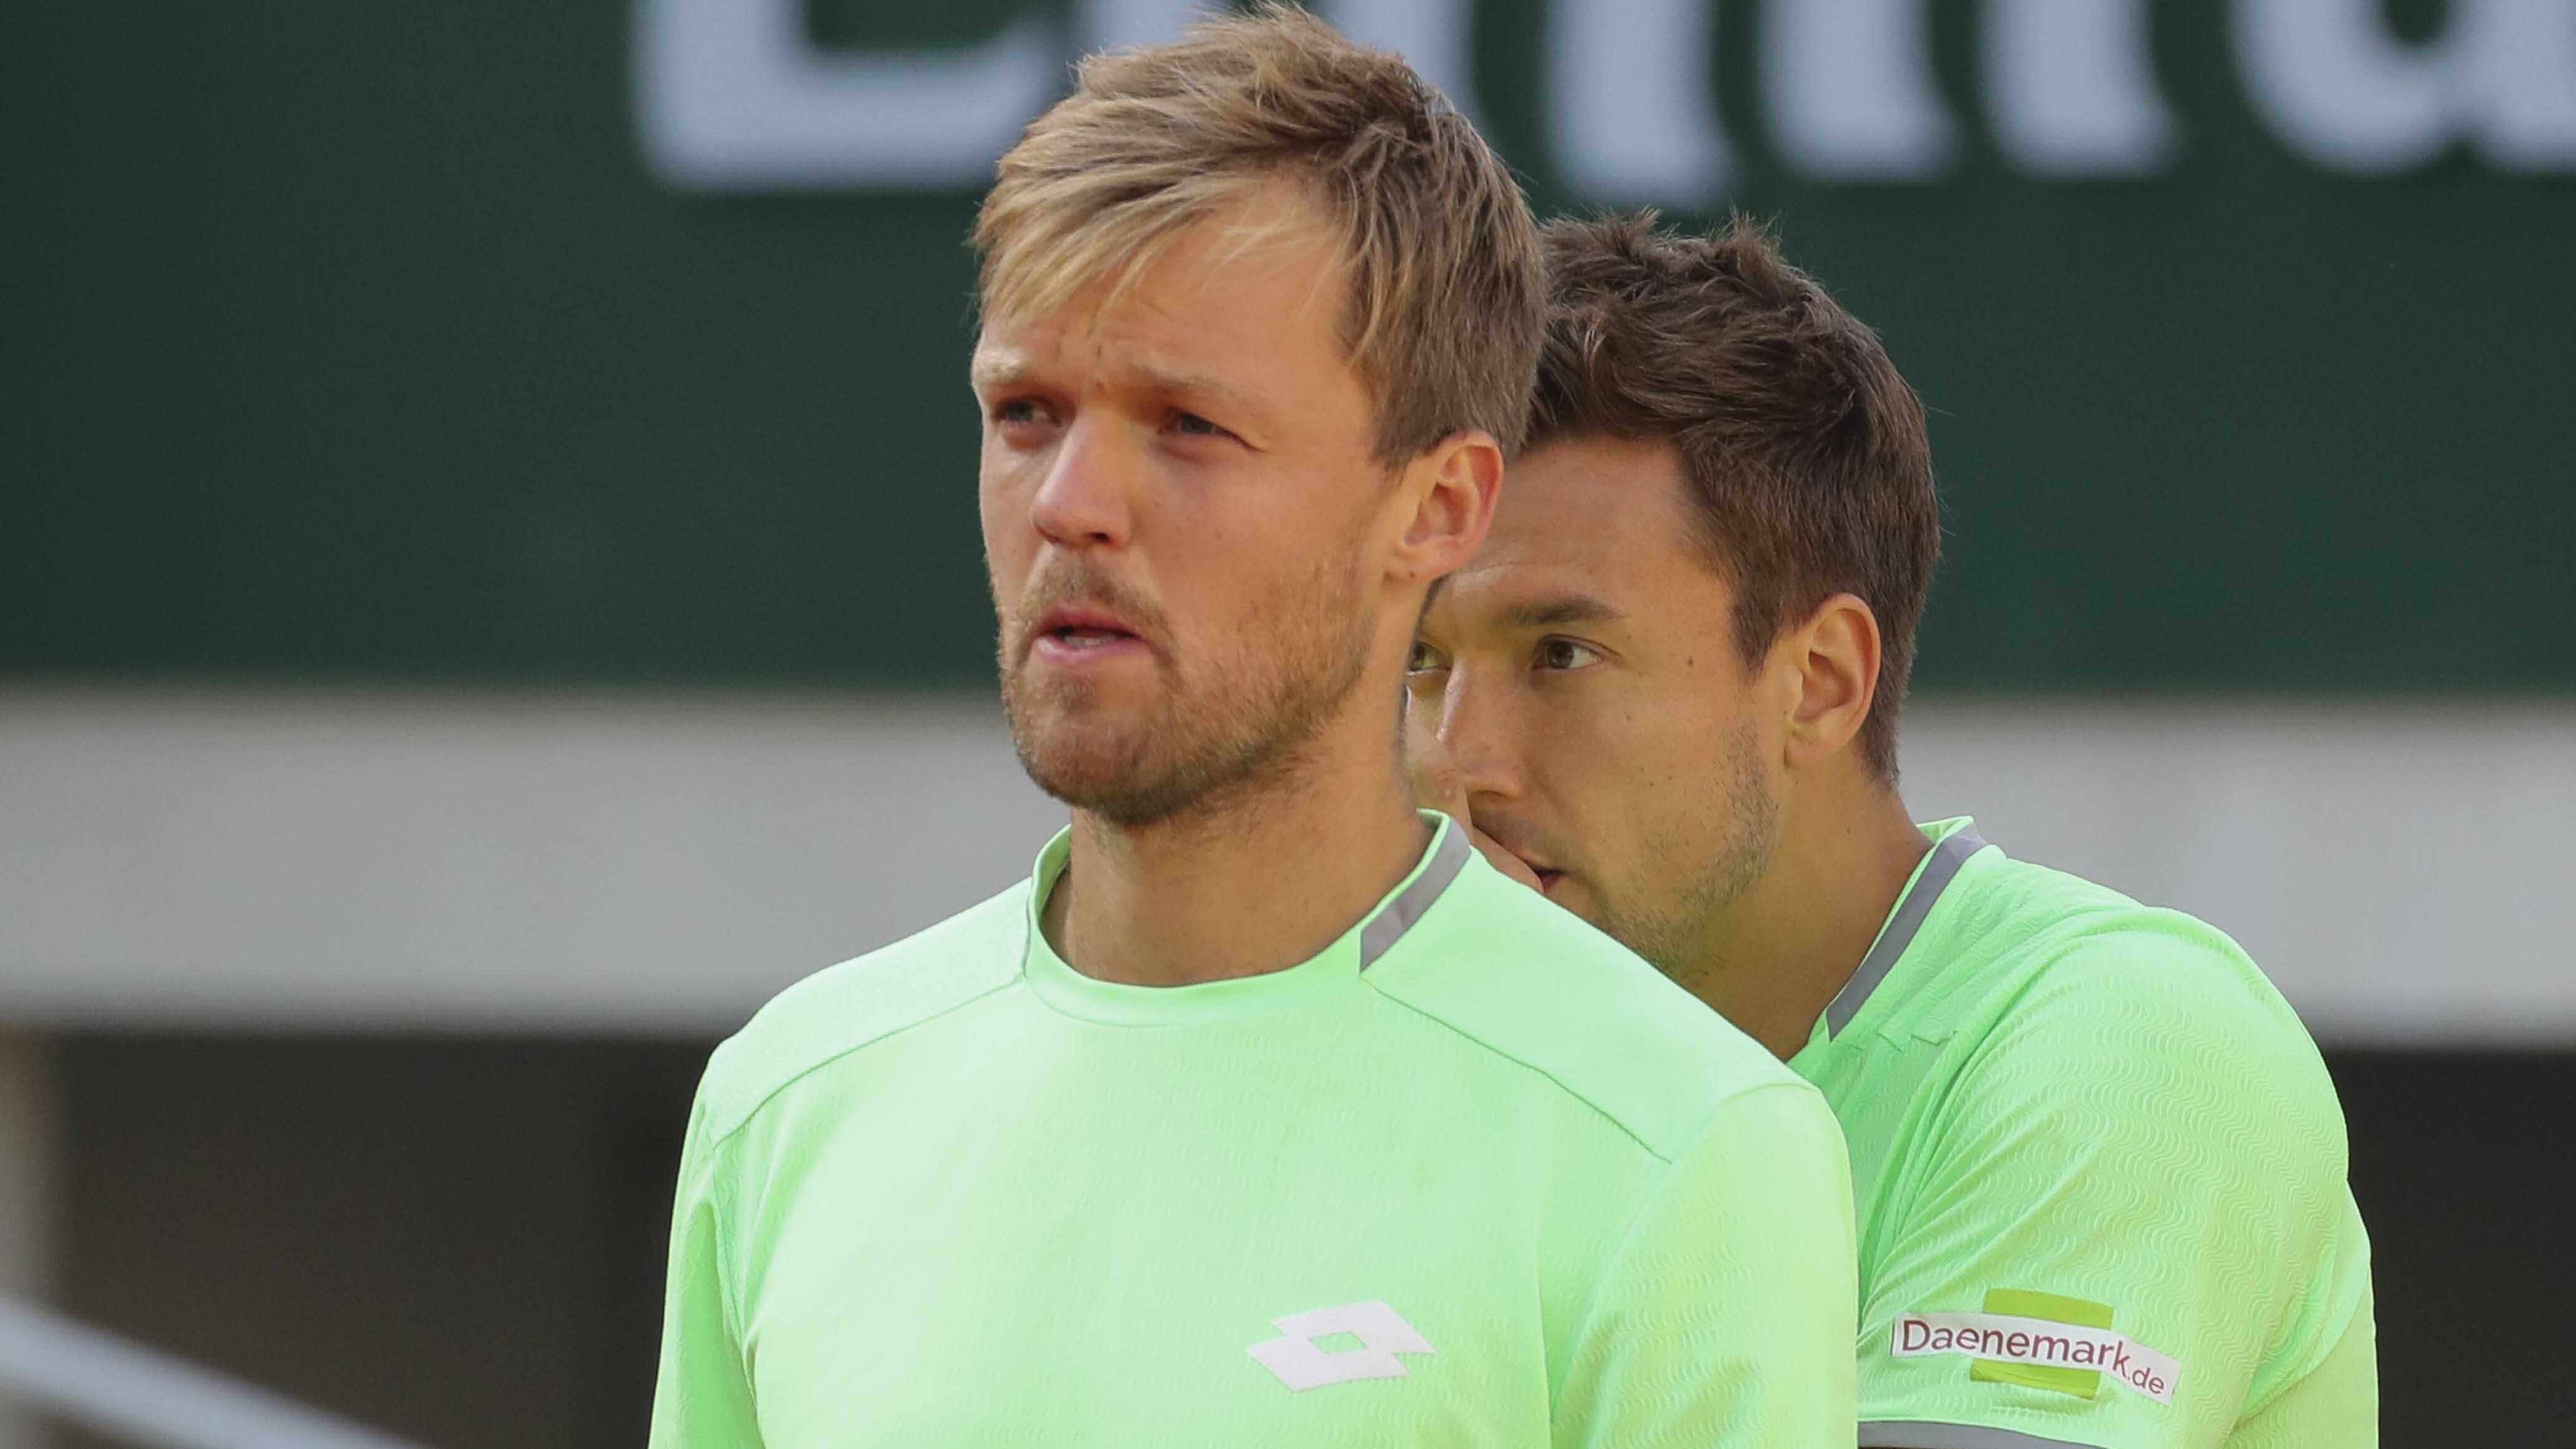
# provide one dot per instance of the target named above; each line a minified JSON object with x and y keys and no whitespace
{"x":2040,"y":1341}
{"x":2048,"y":1308}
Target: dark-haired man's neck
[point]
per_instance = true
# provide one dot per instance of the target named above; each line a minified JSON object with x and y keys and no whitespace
{"x":1263,"y":878}
{"x":1776,"y":957}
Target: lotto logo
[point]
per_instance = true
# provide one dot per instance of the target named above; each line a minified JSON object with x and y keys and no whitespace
{"x":1301,"y":1363}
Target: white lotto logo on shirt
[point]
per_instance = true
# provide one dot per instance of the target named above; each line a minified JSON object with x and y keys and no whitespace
{"x":1379,"y":1332}
{"x":2003,"y":1338}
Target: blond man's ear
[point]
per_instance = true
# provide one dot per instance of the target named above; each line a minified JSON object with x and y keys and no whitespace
{"x":1454,"y":488}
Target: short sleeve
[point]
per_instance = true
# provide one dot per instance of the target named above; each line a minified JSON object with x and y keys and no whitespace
{"x":1725,"y":1317}
{"x":2129,"y":1225}
{"x":2337,"y":1402}
{"x":701,"y":1393}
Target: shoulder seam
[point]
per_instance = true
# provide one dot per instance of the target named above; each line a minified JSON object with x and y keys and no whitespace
{"x":728,"y":1285}
{"x":1558,"y":1082}
{"x":827,"y":1059}
{"x":2099,"y":944}
{"x":1646,"y":1201}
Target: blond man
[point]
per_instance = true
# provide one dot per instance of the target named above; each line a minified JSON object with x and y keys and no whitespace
{"x":1266,"y":1112}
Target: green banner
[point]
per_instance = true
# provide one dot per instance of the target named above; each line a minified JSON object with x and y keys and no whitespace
{"x":595,"y":342}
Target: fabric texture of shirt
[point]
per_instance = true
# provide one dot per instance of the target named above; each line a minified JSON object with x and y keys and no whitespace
{"x":1474,"y":1175}
{"x":2099,"y":1174}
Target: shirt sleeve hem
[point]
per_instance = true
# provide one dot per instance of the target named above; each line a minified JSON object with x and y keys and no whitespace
{"x":1931,"y":1434}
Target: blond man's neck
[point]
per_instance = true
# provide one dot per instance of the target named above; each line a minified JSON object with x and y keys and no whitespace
{"x":1263,"y":879}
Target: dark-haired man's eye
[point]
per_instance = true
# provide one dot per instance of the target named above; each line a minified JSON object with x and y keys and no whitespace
{"x":1565,"y":654}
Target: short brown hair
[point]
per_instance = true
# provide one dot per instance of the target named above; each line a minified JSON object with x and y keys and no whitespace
{"x":1446,"y":290}
{"x":1805,"y":451}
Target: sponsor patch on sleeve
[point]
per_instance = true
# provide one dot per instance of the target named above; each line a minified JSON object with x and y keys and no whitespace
{"x":2040,"y":1340}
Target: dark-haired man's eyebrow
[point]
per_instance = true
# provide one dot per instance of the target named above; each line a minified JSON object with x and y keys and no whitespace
{"x":1556,"y":611}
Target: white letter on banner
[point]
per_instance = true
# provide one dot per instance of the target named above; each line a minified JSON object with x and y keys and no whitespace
{"x":2338,"y":90}
{"x":732,"y":95}
{"x":1851,"y":91}
{"x":1121,"y":24}
{"x":2525,"y":84}
{"x":1631,"y":106}
{"x":2073,"y":88}
{"x":1436,"y":37}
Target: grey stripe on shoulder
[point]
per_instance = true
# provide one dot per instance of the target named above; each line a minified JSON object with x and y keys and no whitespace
{"x":1925,"y":1435}
{"x":1388,"y":926}
{"x":1937,"y":874}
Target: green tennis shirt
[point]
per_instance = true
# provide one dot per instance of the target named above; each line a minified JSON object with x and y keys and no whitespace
{"x":2100,"y":1179}
{"x":1474,"y":1175}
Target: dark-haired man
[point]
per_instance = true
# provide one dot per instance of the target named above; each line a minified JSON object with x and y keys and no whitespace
{"x":2098,"y":1165}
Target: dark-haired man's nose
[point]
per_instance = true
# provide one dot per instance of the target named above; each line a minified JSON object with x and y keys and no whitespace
{"x":1451,"y":781}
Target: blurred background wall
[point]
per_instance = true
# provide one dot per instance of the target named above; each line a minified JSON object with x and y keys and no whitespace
{"x":489,"y":589}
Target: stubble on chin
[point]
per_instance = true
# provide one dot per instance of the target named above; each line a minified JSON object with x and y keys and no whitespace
{"x":1221,"y":725}
{"x":1097,"y":764}
{"x":1673,"y":935}
{"x":1192,"y":749}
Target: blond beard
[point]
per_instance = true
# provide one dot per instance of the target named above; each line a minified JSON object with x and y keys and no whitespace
{"x":1234,"y":727}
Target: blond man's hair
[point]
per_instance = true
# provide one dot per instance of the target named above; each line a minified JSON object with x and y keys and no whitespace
{"x":1446,"y":292}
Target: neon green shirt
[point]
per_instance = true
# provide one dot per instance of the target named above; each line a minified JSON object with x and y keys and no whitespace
{"x":1474,"y":1175}
{"x":2100,"y":1178}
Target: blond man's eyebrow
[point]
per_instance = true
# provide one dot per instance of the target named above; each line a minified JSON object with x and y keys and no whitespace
{"x":991,"y":371}
{"x":1193,"y":384}
{"x":1002,"y":371}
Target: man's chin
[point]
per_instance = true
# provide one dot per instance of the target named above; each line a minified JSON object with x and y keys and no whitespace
{"x":1108,"y":778}
{"x":1579,"y":899}
{"x":1572,"y":893}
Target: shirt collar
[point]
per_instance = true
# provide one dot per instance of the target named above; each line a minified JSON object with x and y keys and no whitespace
{"x":1953,"y":841}
{"x":1354,"y":951}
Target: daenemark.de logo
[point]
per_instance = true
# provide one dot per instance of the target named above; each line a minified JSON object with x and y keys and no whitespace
{"x":2040,"y":1340}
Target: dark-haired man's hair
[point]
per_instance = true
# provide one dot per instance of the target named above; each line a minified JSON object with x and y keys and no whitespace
{"x":1804,"y":451}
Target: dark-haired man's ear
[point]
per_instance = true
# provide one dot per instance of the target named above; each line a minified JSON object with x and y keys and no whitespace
{"x":1835,"y":653}
{"x":1451,"y":491}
